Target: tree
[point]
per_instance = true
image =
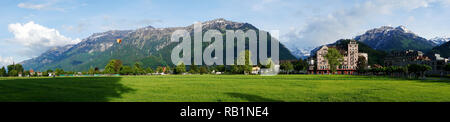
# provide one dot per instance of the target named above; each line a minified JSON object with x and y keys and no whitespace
{"x":235,"y":69}
{"x":361,"y":64}
{"x":13,"y":73}
{"x":424,"y":68}
{"x":203,"y":70}
{"x":246,"y":56}
{"x":14,"y":69}
{"x":46,"y":73}
{"x":137,"y":69}
{"x":126,"y":70}
{"x":418,"y":69}
{"x":334,"y":59}
{"x":91,"y":71}
{"x":447,"y":68}
{"x":18,"y":67}
{"x":193,"y":69}
{"x":180,"y":68}
{"x":149,"y":70}
{"x":220,"y":68}
{"x":168,"y":70}
{"x":97,"y":70}
{"x":159,"y":69}
{"x":300,"y":65}
{"x":26,"y":73}
{"x":113,"y":66}
{"x":10,"y":68}
{"x":3,"y":72}
{"x":59,"y":71}
{"x":287,"y":67}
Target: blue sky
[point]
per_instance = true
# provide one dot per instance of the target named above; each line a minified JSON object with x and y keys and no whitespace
{"x":30,"y":27}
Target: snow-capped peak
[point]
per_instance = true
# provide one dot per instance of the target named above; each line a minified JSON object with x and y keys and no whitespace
{"x":440,"y":40}
{"x":301,"y":53}
{"x":402,"y":28}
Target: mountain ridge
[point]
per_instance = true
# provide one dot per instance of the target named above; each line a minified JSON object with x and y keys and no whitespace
{"x":388,"y":38}
{"x":148,"y":45}
{"x":443,"y":50}
{"x":439,"y":40}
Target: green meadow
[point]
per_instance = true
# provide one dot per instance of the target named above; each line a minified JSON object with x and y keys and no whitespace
{"x":224,"y":88}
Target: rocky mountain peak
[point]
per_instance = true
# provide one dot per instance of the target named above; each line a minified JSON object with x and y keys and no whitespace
{"x":224,"y":24}
{"x":389,"y":29}
{"x":440,"y":40}
{"x":402,"y":28}
{"x":388,"y":38}
{"x":219,"y":20}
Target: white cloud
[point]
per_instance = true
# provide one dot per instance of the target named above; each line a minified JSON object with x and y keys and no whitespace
{"x":56,"y":5}
{"x":33,"y":6}
{"x":4,"y":61}
{"x":35,"y":38}
{"x":346,"y":23}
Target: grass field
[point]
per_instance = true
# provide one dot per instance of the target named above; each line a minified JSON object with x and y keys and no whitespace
{"x":224,"y":88}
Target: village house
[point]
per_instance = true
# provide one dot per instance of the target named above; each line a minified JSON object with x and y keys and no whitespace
{"x":256,"y":70}
{"x":318,"y":64}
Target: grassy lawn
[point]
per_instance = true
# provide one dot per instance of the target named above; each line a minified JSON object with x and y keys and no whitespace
{"x":225,"y":88}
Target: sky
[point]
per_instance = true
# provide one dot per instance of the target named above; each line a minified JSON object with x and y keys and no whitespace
{"x":30,"y":27}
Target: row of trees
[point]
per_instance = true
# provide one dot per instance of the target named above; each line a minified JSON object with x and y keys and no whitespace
{"x":447,"y":68}
{"x":116,"y":67}
{"x":412,"y":70}
{"x":297,"y":66}
{"x":286,"y":67}
{"x":11,"y":70}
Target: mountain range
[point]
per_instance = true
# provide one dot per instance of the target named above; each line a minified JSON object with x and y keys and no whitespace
{"x":439,"y":40}
{"x":150,"y":46}
{"x":443,"y":49}
{"x":387,"y":38}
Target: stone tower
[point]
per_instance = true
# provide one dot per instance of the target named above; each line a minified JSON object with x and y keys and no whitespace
{"x":352,"y":55}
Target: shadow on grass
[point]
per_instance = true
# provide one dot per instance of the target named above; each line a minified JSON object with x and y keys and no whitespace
{"x":65,"y":89}
{"x":252,"y":98}
{"x":435,"y":80}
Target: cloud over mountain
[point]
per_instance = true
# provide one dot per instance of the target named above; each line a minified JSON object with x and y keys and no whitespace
{"x":35,"y":39}
{"x":5,"y":61}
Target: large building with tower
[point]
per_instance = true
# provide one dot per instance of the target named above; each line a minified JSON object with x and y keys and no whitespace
{"x":318,"y":64}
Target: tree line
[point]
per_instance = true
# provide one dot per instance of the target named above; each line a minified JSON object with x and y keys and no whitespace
{"x":410,"y":71}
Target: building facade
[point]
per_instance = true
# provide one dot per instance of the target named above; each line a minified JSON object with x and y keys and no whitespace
{"x":403,"y":58}
{"x":318,"y":64}
{"x":406,"y":57}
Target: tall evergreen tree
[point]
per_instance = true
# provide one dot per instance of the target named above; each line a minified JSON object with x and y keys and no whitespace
{"x":137,"y":69}
{"x":3,"y":72}
{"x":180,"y":68}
